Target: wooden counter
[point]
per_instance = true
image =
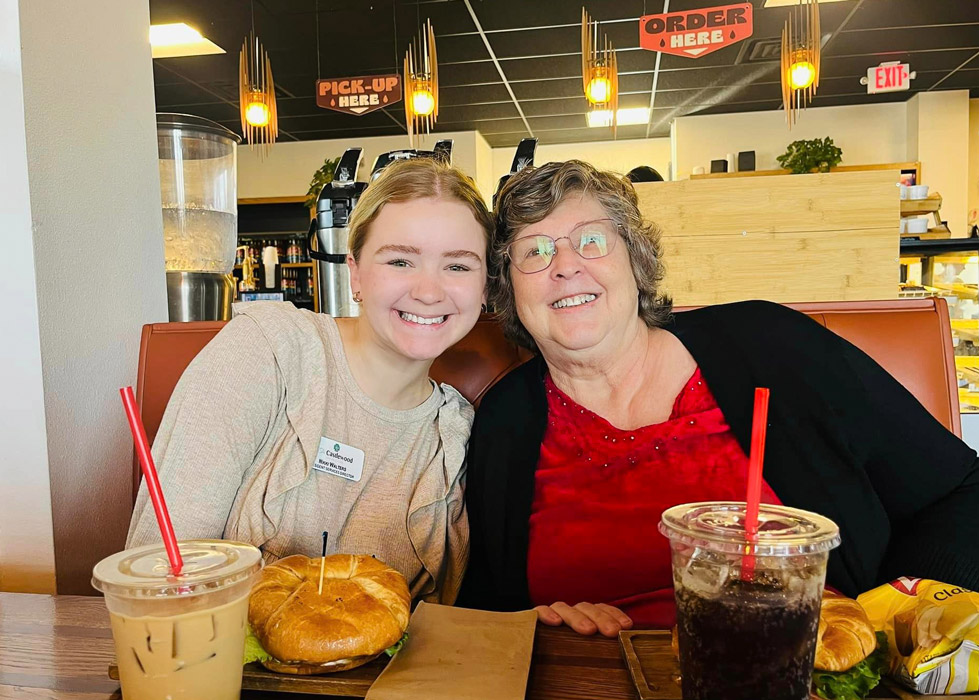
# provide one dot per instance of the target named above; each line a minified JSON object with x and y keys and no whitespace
{"x":786,"y":238}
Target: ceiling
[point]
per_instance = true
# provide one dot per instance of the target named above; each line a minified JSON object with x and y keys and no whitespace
{"x":534,"y":88}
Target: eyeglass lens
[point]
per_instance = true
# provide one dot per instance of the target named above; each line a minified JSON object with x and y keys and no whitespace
{"x":591,"y":240}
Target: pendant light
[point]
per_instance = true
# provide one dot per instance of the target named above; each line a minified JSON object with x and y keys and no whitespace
{"x":421,"y":80}
{"x":256,"y":94}
{"x":599,"y":71}
{"x":800,"y":58}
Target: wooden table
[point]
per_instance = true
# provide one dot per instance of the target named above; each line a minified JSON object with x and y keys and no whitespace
{"x":61,"y":646}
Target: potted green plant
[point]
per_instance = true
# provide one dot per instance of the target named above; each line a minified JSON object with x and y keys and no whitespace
{"x":810,"y":156}
{"x":320,"y":178}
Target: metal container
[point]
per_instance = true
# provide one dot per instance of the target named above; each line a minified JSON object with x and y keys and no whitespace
{"x":336,"y":201}
{"x":198,"y":191}
{"x":199,"y":296}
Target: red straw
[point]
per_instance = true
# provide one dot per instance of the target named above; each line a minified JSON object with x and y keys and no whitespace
{"x":759,"y":425}
{"x":152,"y":480}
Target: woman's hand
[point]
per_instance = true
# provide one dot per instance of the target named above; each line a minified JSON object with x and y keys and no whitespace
{"x":585,"y":618}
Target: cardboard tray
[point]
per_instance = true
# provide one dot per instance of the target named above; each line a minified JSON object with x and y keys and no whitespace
{"x":349,"y":684}
{"x":656,"y":673}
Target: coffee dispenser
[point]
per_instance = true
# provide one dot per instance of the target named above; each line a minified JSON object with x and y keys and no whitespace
{"x":442,"y":151}
{"x":334,"y":205}
{"x":523,"y":157}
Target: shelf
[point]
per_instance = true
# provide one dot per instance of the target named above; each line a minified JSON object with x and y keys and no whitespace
{"x":959,"y":290}
{"x":912,"y":246}
{"x":294,"y":265}
{"x":931,"y":234}
{"x":837,"y":169}
{"x":917,"y":207}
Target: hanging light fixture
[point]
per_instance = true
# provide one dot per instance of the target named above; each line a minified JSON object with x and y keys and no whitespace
{"x":256,"y":94}
{"x":599,"y":71}
{"x":800,"y":58}
{"x":421,"y":80}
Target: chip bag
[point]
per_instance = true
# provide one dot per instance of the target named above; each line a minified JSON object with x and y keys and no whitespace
{"x":932,"y":632}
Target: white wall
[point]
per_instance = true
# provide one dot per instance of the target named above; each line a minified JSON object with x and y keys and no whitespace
{"x":618,"y":156}
{"x":288,"y":169}
{"x":867,"y":134}
{"x":98,"y":251}
{"x":973,"y":198}
{"x":26,"y":539}
{"x":942,"y":145}
{"x":485,"y":176}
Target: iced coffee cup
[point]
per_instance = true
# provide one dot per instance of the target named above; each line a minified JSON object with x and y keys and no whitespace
{"x":179,"y":637}
{"x":747,"y":631}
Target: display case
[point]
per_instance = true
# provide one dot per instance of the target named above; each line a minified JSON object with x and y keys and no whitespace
{"x":950,"y":269}
{"x":281,"y":223}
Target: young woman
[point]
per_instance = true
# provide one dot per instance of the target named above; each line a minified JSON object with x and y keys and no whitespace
{"x":289,"y":424}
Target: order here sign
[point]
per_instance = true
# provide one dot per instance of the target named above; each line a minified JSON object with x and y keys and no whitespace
{"x":358,"y":95}
{"x":696,"y":33}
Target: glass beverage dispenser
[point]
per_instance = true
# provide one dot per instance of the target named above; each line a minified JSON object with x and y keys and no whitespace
{"x":198,"y":188}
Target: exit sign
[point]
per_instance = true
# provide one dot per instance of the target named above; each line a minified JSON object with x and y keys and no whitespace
{"x":888,"y":77}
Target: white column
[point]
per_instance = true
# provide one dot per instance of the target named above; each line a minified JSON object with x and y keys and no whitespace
{"x":26,"y":541}
{"x":94,"y":217}
{"x":940,"y":141}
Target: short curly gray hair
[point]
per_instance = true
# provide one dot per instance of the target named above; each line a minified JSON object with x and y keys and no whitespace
{"x":533,"y":193}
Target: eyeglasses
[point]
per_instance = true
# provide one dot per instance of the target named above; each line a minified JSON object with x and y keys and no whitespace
{"x":590,"y":240}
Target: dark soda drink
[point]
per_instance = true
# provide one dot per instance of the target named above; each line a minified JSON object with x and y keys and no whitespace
{"x":747,"y":609}
{"x":749,"y":643}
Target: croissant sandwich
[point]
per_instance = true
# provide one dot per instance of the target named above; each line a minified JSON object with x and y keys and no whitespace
{"x":362,"y":611}
{"x":850,"y":656}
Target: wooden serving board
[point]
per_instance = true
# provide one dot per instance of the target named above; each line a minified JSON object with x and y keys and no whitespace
{"x":656,"y":672}
{"x":349,"y":684}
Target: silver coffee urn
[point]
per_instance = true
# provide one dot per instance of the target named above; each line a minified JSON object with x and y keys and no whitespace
{"x":334,"y":205}
{"x":199,"y":192}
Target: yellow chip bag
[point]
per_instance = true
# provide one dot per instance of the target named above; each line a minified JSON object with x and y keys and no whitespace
{"x":932,"y":631}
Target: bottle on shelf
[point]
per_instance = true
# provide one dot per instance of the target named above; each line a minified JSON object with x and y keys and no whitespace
{"x":294,"y":252}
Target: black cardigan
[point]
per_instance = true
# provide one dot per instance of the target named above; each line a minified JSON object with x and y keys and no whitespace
{"x":845,"y":439}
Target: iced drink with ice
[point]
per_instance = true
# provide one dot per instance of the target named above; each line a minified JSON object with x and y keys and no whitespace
{"x":179,"y":637}
{"x":747,"y":636}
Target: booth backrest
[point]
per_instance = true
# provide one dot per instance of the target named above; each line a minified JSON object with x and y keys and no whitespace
{"x":910,"y":338}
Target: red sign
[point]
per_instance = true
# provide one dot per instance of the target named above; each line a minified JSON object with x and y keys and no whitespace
{"x":358,"y":95}
{"x":888,"y":77}
{"x":696,"y":33}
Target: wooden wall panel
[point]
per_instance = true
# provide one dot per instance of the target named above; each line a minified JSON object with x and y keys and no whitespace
{"x":791,"y":238}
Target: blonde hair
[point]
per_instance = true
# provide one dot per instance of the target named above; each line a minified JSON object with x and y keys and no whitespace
{"x":415,"y":178}
{"x":533,"y":193}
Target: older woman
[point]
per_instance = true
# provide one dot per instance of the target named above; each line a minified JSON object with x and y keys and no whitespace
{"x":627,"y":409}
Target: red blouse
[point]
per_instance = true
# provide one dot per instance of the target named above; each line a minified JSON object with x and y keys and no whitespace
{"x":600,"y":492}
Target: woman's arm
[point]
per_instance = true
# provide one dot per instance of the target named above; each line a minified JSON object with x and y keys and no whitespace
{"x":926,"y":478}
{"x":475,"y":591}
{"x":217,"y":419}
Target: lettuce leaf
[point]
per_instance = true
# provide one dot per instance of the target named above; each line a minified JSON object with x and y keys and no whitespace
{"x":253,"y":648}
{"x":396,"y":647}
{"x":858,"y":681}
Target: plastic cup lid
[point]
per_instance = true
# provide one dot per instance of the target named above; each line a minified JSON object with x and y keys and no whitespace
{"x":719,"y":525}
{"x":144,"y":572}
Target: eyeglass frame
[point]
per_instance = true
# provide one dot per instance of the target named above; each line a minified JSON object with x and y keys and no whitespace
{"x":617,"y":227}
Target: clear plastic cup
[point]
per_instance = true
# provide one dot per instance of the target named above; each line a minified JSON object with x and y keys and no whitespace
{"x":179,"y":637}
{"x":747,"y":639}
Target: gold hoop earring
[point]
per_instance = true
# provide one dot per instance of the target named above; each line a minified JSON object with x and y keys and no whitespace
{"x":357,"y":297}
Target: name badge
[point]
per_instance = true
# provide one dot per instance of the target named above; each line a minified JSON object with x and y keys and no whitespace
{"x":340,"y":460}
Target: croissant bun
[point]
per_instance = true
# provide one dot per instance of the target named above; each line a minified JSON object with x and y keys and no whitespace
{"x":846,"y":636}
